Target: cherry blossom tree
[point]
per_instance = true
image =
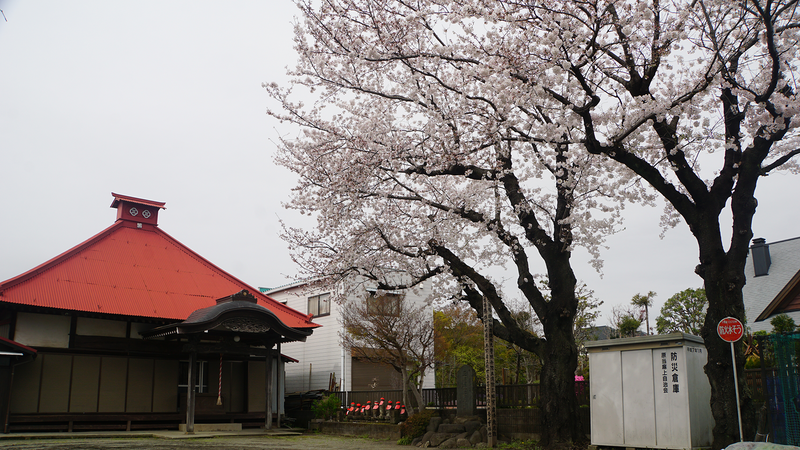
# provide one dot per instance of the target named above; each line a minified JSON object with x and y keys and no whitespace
{"x":661,"y":87}
{"x":421,"y":154}
{"x":448,"y":138}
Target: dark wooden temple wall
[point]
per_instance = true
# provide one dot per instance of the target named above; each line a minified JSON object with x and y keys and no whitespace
{"x":59,"y":383}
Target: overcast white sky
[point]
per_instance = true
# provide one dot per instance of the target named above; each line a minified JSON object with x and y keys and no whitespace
{"x":162,"y":100}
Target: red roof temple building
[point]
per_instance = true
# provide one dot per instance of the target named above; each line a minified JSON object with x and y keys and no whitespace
{"x":111,"y":333}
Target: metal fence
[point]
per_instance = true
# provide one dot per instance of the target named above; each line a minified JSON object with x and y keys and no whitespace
{"x":508,"y":396}
{"x":755,"y":383}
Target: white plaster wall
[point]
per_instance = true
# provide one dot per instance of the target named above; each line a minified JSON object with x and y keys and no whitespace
{"x":100,"y":327}
{"x":321,"y":352}
{"x":42,"y":330}
{"x":421,"y":296}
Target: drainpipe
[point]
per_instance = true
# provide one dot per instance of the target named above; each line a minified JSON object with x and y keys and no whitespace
{"x":343,"y":387}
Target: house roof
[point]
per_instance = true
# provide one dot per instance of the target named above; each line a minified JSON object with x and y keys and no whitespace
{"x":306,"y":283}
{"x":133,"y":268}
{"x":764,"y":295}
{"x":16,"y":350}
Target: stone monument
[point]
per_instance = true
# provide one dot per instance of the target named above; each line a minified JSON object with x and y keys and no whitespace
{"x":465,"y":391}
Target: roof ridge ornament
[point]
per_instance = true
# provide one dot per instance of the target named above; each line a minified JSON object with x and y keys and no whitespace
{"x":242,"y":296}
{"x":134,"y":209}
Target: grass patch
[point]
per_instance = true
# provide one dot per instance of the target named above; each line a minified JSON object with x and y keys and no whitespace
{"x":521,"y":445}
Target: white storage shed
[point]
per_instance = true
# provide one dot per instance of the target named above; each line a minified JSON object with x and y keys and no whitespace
{"x":650,"y":392}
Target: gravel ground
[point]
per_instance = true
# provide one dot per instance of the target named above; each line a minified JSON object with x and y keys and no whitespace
{"x":223,"y":443}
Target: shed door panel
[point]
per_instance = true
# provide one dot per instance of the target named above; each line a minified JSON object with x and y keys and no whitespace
{"x":638,"y":404}
{"x":671,"y":398}
{"x":606,"y":398}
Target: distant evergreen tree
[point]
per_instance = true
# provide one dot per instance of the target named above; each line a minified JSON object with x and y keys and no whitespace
{"x":683,"y":312}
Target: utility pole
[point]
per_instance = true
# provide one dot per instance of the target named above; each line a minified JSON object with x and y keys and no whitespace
{"x":488,"y":351}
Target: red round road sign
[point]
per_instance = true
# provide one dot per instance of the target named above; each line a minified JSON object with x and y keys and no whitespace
{"x":730,"y":329}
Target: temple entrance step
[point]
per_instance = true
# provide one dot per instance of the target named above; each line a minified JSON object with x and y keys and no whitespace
{"x":198,"y":427}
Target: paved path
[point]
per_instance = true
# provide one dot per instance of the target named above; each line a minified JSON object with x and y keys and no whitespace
{"x":242,"y":442}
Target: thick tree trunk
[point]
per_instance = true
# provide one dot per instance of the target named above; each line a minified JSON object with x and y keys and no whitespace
{"x":724,"y":293}
{"x":559,"y":355}
{"x":559,"y":404}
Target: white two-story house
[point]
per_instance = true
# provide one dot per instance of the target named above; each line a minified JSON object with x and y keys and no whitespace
{"x":324,"y":363}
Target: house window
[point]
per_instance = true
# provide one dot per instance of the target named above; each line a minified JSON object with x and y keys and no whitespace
{"x":386,"y":304}
{"x":319,"y":305}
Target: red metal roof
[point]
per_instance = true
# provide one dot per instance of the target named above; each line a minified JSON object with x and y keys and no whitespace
{"x":120,"y":198}
{"x":16,"y":346}
{"x":134,"y":269}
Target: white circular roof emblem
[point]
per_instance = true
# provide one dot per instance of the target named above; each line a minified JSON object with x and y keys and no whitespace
{"x":133,"y":211}
{"x":146,"y":214}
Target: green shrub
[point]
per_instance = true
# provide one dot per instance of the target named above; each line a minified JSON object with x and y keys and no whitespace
{"x":752,"y":362}
{"x":416,"y":425}
{"x":405,"y":440}
{"x":327,"y":407}
{"x":782,"y":323}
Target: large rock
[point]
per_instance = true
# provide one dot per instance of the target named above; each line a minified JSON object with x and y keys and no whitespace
{"x":463,"y":443}
{"x":484,"y":434}
{"x":476,"y":437}
{"x":450,"y":443}
{"x":437,"y":438}
{"x":426,"y":437}
{"x":451,"y":428}
{"x":472,"y":426}
{"x":433,"y":425}
{"x":465,"y":419}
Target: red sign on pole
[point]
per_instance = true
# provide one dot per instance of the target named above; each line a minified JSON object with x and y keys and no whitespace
{"x":730,"y":329}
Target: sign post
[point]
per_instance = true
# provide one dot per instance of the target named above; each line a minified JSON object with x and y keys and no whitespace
{"x":730,"y":329}
{"x":488,"y":353}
